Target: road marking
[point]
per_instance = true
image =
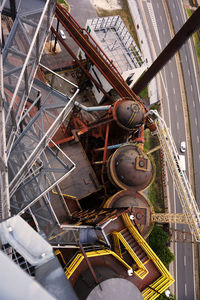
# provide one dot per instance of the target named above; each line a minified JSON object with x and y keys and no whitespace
{"x":185,"y":289}
{"x":186,"y":58}
{"x":174,"y":91}
{"x":157,"y":5}
{"x":176,"y":108}
{"x":173,"y":5}
{"x":197,"y":139}
{"x":196,"y":121}
{"x":184,"y":260}
{"x":161,"y":18}
{"x":193,"y":104}
{"x":176,"y":17}
{"x":177,"y":125}
{"x":191,"y":87}
{"x":188,"y":71}
{"x":163,"y":31}
{"x":199,"y":156}
{"x":172,"y":76}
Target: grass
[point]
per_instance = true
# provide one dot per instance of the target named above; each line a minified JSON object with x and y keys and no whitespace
{"x":64,"y":3}
{"x":196,"y":39}
{"x":155,"y":190}
{"x":124,"y":13}
{"x":144,"y":93}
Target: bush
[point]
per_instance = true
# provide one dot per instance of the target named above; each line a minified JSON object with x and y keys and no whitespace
{"x":158,"y":240}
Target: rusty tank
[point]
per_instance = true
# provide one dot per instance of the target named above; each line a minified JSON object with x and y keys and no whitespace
{"x":130,"y":168}
{"x":128,"y":114}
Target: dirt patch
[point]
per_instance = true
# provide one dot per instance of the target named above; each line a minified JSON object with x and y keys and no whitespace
{"x":107,"y":4}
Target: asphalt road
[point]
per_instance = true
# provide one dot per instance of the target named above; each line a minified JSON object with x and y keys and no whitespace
{"x":191,"y":76}
{"x":173,"y":110}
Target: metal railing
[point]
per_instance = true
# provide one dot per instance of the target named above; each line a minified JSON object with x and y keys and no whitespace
{"x":183,"y":186}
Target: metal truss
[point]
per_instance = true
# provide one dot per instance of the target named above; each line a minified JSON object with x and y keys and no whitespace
{"x":54,"y":108}
{"x":21,"y":56}
{"x":4,"y":188}
{"x":182,"y":184}
{"x":51,"y":167}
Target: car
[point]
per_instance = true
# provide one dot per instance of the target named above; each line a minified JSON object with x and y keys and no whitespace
{"x":183,"y":146}
{"x":62,"y":34}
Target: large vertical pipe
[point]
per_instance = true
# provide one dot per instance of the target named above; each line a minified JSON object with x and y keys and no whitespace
{"x":192,"y":24}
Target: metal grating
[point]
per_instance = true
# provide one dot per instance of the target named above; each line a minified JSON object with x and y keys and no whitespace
{"x":18,"y":259}
{"x":116,"y":42}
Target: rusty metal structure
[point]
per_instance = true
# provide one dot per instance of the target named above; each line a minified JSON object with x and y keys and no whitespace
{"x":72,"y":173}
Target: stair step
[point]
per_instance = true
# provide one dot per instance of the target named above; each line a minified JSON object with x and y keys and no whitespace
{"x":132,"y":244}
{"x":126,"y":234}
{"x":145,"y":258}
{"x":141,"y":255}
{"x":136,"y":248}
{"x":139,"y":252}
{"x":129,"y":239}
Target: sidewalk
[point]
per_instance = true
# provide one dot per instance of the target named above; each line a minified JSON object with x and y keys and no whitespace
{"x":144,"y":42}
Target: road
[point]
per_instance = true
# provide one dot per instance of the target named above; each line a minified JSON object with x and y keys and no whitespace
{"x":173,"y":113}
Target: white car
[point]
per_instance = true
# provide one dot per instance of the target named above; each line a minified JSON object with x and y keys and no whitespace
{"x":183,"y":146}
{"x":62,"y":34}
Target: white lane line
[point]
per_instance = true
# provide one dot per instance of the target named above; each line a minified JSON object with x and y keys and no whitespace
{"x":191,"y":87}
{"x":161,"y":18}
{"x":197,"y":139}
{"x":163,"y":31}
{"x":194,"y":67}
{"x":176,"y":108}
{"x":185,"y":289}
{"x":174,"y":91}
{"x":172,"y":76}
{"x":184,"y":260}
{"x":193,"y":103}
{"x":176,"y":17}
{"x":199,"y":156}
{"x":177,"y":125}
{"x":173,"y":5}
{"x":188,"y":71}
{"x":157,"y":5}
{"x":196,"y":121}
{"x":186,"y":58}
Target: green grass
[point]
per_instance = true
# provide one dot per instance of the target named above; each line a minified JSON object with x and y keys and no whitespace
{"x":155,"y":190}
{"x":195,"y":39}
{"x":124,"y":13}
{"x":144,"y":93}
{"x":64,"y":3}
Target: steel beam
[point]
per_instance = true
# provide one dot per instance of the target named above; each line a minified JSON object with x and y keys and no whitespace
{"x":192,"y":24}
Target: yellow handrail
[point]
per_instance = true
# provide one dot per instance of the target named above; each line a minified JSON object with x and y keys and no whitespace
{"x":165,"y":280}
{"x":79,"y":258}
{"x":142,"y":270}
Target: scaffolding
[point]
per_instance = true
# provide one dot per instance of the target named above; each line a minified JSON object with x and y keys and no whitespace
{"x":117,"y":42}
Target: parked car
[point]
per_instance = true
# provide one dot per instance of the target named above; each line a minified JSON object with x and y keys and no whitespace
{"x":62,"y":34}
{"x":183,"y":146}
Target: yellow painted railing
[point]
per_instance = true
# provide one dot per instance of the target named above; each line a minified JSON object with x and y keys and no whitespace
{"x":165,"y":280}
{"x":142,"y":270}
{"x":79,"y":258}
